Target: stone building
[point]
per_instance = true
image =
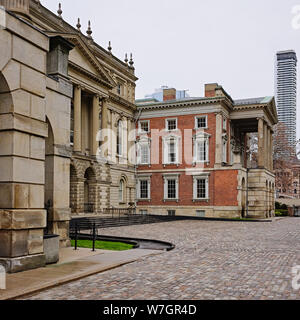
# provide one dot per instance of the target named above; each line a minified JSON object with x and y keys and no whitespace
{"x":58,"y":88}
{"x":193,"y":155}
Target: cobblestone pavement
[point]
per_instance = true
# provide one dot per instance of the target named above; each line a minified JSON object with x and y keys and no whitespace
{"x":212,"y":260}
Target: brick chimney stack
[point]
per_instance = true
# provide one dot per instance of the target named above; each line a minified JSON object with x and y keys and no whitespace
{"x":210,"y":90}
{"x":169,"y":94}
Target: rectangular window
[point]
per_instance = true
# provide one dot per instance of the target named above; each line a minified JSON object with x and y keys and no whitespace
{"x":171,"y":213}
{"x":171,"y":189}
{"x":144,"y":126}
{"x":201,"y":188}
{"x":200,"y":213}
{"x":201,"y":151}
{"x":201,"y":122}
{"x":119,"y":89}
{"x":144,"y":189}
{"x":144,"y":212}
{"x":172,"y":151}
{"x":171,"y":124}
{"x":145,"y":154}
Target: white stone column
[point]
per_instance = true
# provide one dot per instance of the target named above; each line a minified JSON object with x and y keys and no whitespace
{"x":104,"y":127}
{"x":77,"y":119}
{"x":95,"y":122}
{"x":261,"y":142}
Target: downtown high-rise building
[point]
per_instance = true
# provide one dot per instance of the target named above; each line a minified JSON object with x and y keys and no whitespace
{"x":286,"y":92}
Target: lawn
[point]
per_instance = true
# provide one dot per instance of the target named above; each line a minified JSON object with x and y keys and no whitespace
{"x":104,"y":245}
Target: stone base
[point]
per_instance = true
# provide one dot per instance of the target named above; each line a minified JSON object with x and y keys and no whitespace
{"x":13,"y":265}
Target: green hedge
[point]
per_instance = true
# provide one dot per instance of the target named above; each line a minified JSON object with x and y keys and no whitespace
{"x":281,"y":213}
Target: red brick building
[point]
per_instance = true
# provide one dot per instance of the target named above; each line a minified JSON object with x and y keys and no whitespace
{"x":193,"y":155}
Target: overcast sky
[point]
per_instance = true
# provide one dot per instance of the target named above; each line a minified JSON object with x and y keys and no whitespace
{"x":187,"y":43}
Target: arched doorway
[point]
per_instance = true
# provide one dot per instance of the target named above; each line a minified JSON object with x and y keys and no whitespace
{"x":244,"y":200}
{"x":89,"y":191}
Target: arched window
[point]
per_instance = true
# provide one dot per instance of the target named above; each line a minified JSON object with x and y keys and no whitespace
{"x":121,"y":191}
{"x":120,"y":138}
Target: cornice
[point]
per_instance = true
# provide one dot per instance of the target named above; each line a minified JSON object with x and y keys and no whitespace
{"x":122,"y":101}
{"x":89,"y":74}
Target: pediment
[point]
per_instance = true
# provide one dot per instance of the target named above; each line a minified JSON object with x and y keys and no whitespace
{"x":83,"y":59}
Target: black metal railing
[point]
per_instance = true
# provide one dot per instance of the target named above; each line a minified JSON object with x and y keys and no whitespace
{"x":119,"y":212}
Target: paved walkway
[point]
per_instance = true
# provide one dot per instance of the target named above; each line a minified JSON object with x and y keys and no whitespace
{"x":212,"y":260}
{"x":73,"y":265}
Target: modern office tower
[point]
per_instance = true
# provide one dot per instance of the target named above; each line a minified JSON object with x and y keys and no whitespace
{"x":286,"y":92}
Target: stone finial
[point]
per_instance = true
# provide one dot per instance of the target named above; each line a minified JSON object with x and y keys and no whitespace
{"x":109,"y":46}
{"x":126,"y":58}
{"x":89,"y":30}
{"x":78,"y":25}
{"x":59,"y":11}
{"x":131,"y":62}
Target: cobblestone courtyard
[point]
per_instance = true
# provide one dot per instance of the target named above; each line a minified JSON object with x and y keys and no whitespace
{"x":212,"y":260}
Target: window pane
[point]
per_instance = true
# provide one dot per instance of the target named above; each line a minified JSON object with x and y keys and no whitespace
{"x":144,"y":126}
{"x":172,"y":124}
{"x":171,"y":189}
{"x":201,"y":122}
{"x":144,"y":154}
{"x":201,"y":188}
{"x":172,"y":151}
{"x":201,"y":151}
{"x":121,"y":189}
{"x":144,"y":189}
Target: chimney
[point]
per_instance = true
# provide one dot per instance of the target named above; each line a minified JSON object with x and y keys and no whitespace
{"x":169,"y":94}
{"x":17,"y":6}
{"x":210,"y":90}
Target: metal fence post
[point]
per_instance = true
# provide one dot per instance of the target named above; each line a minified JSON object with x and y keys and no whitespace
{"x":94,"y":235}
{"x":76,"y":235}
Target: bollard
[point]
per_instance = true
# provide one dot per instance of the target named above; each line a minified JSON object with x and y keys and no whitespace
{"x":94,"y":235}
{"x":76,"y":235}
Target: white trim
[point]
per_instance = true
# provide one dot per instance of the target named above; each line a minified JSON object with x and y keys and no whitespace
{"x":195,"y":182}
{"x":166,"y":178}
{"x":140,"y":128}
{"x":196,"y":122}
{"x":165,"y":145}
{"x":138,"y":188}
{"x":167,"y":127}
{"x":200,"y":137}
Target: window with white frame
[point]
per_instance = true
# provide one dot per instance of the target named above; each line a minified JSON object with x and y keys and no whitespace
{"x":143,"y":150}
{"x":171,"y":187}
{"x":120,"y":138}
{"x":171,"y":124}
{"x":201,"y":188}
{"x":171,"y":145}
{"x":144,"y":126}
{"x":143,"y":188}
{"x":201,"y":147}
{"x":201,"y":122}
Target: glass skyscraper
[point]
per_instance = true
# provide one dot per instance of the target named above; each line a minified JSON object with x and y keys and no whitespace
{"x":286,"y":92}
